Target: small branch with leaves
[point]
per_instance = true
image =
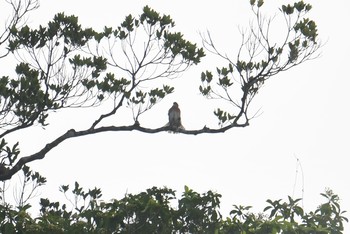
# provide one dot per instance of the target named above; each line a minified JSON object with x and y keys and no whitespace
{"x":260,"y":57}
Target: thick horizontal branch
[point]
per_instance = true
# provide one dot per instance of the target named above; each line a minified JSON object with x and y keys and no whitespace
{"x":6,"y":174}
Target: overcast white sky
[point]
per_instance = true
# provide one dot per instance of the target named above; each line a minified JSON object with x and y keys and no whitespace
{"x":305,"y":114}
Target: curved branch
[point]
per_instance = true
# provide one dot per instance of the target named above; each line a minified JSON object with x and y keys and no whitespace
{"x":103,"y":116}
{"x":7,"y":174}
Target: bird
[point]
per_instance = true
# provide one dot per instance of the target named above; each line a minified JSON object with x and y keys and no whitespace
{"x":174,"y":115}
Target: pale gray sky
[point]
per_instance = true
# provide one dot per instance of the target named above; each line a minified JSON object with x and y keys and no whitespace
{"x":305,"y":114}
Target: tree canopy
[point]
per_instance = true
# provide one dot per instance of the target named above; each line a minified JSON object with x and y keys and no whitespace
{"x":154,"y":211}
{"x":64,"y":65}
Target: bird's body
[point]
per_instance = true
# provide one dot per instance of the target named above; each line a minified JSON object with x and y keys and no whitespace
{"x":174,"y":114}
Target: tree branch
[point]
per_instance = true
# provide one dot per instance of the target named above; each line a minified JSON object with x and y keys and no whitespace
{"x":8,"y":173}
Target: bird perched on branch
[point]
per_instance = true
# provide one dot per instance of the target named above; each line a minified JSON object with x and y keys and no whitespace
{"x":174,"y":114}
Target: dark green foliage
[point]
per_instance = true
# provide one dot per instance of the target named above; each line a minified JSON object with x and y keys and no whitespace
{"x":156,"y":211}
{"x":43,"y":85}
{"x":61,"y":27}
{"x":198,"y":213}
{"x":223,"y":116}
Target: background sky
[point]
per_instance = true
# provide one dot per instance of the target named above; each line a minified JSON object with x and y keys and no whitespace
{"x":298,"y":146}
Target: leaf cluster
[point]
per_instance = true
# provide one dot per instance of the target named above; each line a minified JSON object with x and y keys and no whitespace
{"x":62,"y":27}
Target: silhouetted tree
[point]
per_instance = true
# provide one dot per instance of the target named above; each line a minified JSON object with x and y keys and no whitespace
{"x":63,"y":65}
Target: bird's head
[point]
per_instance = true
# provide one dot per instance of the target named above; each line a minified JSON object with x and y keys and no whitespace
{"x":175,"y":104}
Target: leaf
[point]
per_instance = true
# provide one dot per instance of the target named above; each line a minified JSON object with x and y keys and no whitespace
{"x":128,"y":23}
{"x":64,"y":188}
{"x":298,"y":210}
{"x":230,"y":67}
{"x":203,"y":76}
{"x":267,"y":208}
{"x":273,"y":212}
{"x":308,"y":7}
{"x":269,"y":201}
{"x":44,"y":202}
{"x":209,"y":76}
{"x":299,"y":6}
{"x":186,"y":189}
